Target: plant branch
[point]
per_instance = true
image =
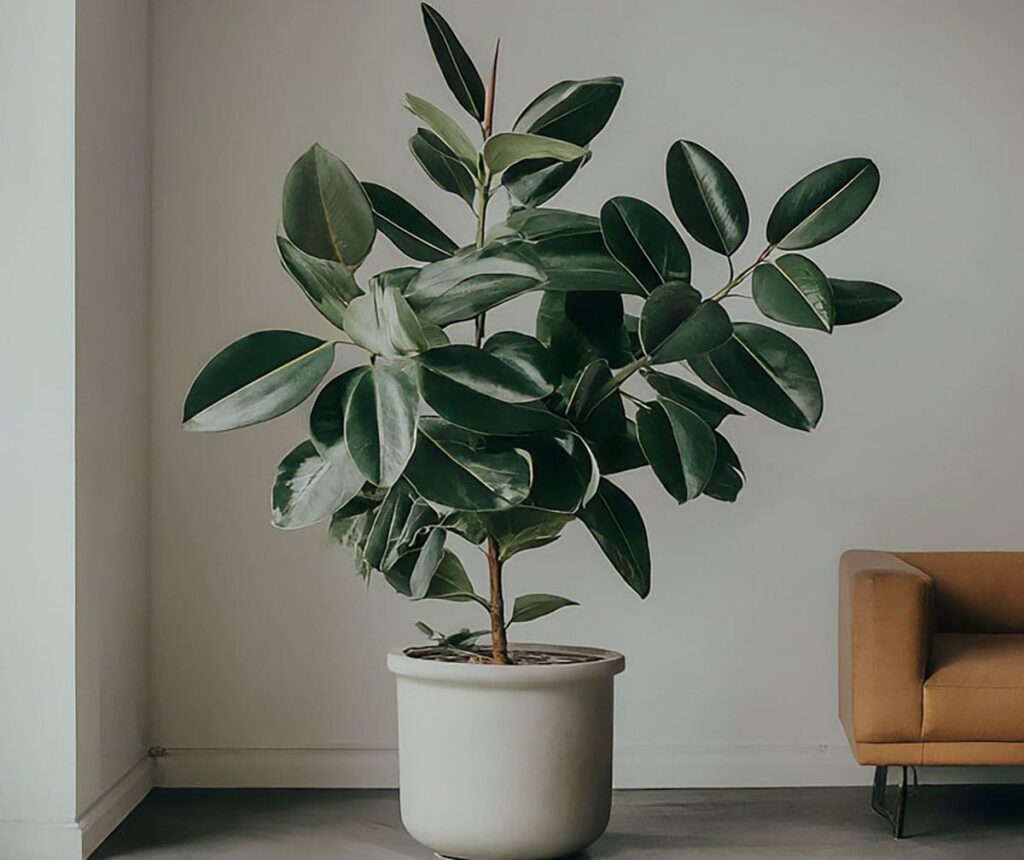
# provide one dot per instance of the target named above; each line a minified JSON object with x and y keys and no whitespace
{"x":736,"y":280}
{"x":499,"y":639}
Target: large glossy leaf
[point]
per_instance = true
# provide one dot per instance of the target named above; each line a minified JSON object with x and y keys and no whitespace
{"x":484,"y":373}
{"x":644,"y":242}
{"x":259,"y":377}
{"x":679,"y":446}
{"x":527,"y":356}
{"x":470,"y":283}
{"x":444,"y":127}
{"x":427,"y":563}
{"x":452,"y":467}
{"x":325,"y":211}
{"x":412,"y":232}
{"x":823,"y":204}
{"x":442,"y":165}
{"x":619,"y":530}
{"x":398,"y":527}
{"x":857,"y":301}
{"x":522,"y":528}
{"x":381,"y":418}
{"x":675,"y":324}
{"x":706,"y":197}
{"x":383,"y":323}
{"x":565,"y":472}
{"x":459,"y":72}
{"x":535,"y":181}
{"x":530,"y":607}
{"x":449,"y":582}
{"x":618,"y":452}
{"x":589,"y":394}
{"x":706,"y":405}
{"x":503,"y":150}
{"x":309,"y":488}
{"x":579,"y":328}
{"x":327,"y":284}
{"x":471,"y":410}
{"x":535,"y":224}
{"x":793,"y":290}
{"x":766,"y":370}
{"x":727,"y":478}
{"x":327,"y":417}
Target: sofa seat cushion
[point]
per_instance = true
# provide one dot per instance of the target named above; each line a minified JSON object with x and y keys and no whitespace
{"x":975,"y":688}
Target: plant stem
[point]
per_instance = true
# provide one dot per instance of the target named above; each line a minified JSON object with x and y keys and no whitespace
{"x":499,"y":639}
{"x":736,"y":280}
{"x":613,"y":384}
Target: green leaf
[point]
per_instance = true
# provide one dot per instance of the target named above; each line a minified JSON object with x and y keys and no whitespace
{"x":537,"y":224}
{"x":442,"y":165}
{"x":522,"y":528}
{"x":309,"y":488}
{"x":325,"y":210}
{"x":644,"y":242}
{"x":535,"y":181}
{"x":529,"y":607}
{"x":727,"y":478}
{"x":327,"y":417}
{"x":706,"y":197}
{"x":397,"y":278}
{"x":444,"y":127}
{"x":484,"y":373}
{"x":381,"y":419}
{"x":257,"y":378}
{"x":857,"y":301}
{"x":823,"y":204}
{"x":574,"y":111}
{"x":675,"y":324}
{"x":411,"y":231}
{"x":565,"y":472}
{"x":459,"y":72}
{"x":588,"y":394}
{"x":579,"y":328}
{"x":397,"y":528}
{"x":679,"y":446}
{"x":616,"y":525}
{"x":793,"y":290}
{"x":452,"y":467}
{"x":503,"y":150}
{"x":427,"y":563}
{"x":470,"y":283}
{"x":706,"y":405}
{"x":327,"y":284}
{"x":466,"y":524}
{"x":766,"y":370}
{"x":450,"y":581}
{"x":383,"y":323}
{"x":619,"y":452}
{"x":527,"y":356}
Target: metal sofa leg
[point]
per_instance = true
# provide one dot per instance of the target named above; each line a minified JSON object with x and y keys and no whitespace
{"x":895,"y":816}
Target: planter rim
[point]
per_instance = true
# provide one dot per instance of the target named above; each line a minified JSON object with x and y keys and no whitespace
{"x":606,"y":664}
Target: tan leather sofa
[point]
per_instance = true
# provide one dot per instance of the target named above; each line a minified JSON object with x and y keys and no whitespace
{"x":931,"y":661}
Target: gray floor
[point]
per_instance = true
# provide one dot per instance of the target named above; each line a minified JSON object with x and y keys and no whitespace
{"x":723,"y":824}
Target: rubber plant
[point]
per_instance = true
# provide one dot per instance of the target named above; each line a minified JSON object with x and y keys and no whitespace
{"x":503,"y":440}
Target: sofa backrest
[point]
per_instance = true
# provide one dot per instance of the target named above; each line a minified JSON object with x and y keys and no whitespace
{"x":975,"y":592}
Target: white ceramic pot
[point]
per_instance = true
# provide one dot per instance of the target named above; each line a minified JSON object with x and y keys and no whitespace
{"x":506,"y":762}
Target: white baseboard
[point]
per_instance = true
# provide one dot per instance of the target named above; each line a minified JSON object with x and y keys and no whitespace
{"x":635,"y":767}
{"x":75,"y":840}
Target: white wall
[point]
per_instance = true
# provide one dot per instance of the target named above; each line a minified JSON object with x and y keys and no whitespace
{"x":265,"y":643}
{"x":37,"y":457}
{"x":112,"y":403}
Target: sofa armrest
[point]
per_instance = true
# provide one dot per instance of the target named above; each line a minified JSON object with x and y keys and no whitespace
{"x":884,"y":636}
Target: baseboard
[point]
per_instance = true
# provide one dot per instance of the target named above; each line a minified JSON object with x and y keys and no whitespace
{"x":40,"y":840}
{"x":635,"y":767}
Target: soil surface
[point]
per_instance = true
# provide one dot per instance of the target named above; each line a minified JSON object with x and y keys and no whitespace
{"x":482,"y":656}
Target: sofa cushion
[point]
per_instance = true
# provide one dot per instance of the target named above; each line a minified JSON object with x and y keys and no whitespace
{"x":975,"y":688}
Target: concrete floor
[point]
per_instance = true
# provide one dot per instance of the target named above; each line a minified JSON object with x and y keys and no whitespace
{"x":723,"y":824}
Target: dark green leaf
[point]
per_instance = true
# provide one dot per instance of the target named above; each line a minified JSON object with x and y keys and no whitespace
{"x":526,"y":355}
{"x":537,"y":224}
{"x":579,"y":328}
{"x":857,"y":301}
{"x":427,"y":563}
{"x":327,"y":284}
{"x":470,"y":283}
{"x":535,"y":181}
{"x":459,"y":72}
{"x":675,"y":324}
{"x":452,"y":467}
{"x":706,"y":197}
{"x":706,"y":405}
{"x":823,"y":204}
{"x":450,"y":581}
{"x":503,"y":150}
{"x":398,"y":278}
{"x":327,"y":417}
{"x":309,"y":488}
{"x":484,"y":373}
{"x":644,"y":242}
{"x":529,"y":607}
{"x":397,"y":527}
{"x":766,"y":370}
{"x":381,"y":419}
{"x":727,"y":478}
{"x":522,"y":528}
{"x":574,"y":111}
{"x":578,"y":263}
{"x":383,"y":323}
{"x":565,"y":472}
{"x":619,"y":452}
{"x":259,"y":377}
{"x":616,"y":525}
{"x":466,"y":524}
{"x":325,"y":210}
{"x":793,"y":290}
{"x":442,"y":165}
{"x":411,"y":231}
{"x":679,"y":446}
{"x":445,"y":128}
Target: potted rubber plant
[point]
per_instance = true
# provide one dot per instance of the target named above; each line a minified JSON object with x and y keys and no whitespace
{"x":444,"y":436}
